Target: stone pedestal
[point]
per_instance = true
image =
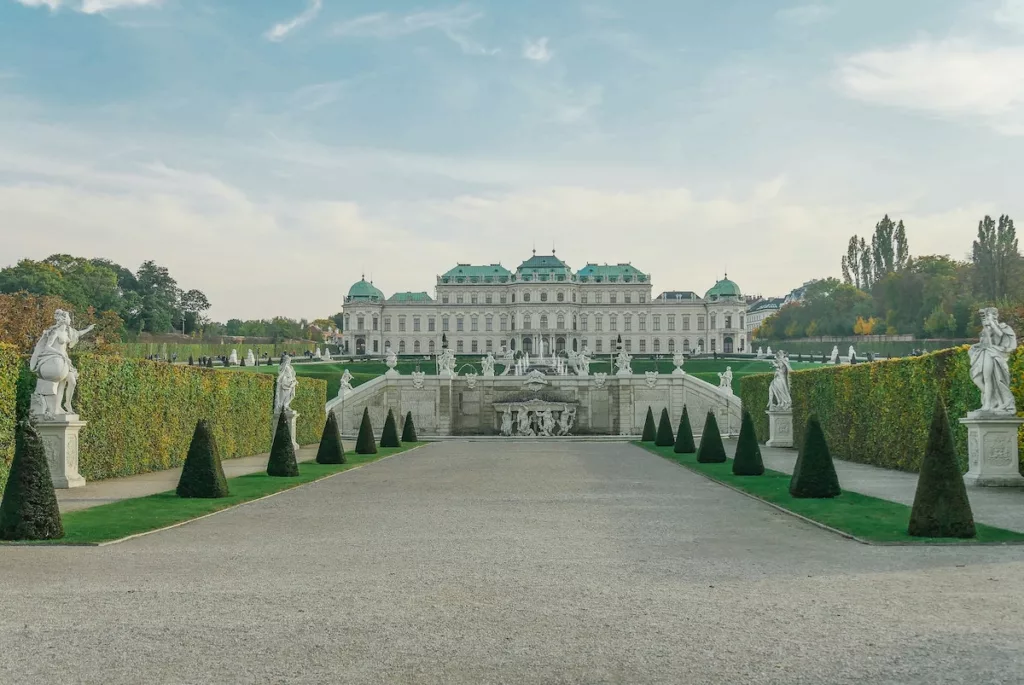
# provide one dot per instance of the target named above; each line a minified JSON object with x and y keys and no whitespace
{"x":60,"y":441}
{"x":992,"y":450}
{"x":290,"y":416}
{"x":780,"y":428}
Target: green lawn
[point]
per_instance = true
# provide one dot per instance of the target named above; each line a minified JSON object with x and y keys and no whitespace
{"x":117,"y":520}
{"x":867,"y":518}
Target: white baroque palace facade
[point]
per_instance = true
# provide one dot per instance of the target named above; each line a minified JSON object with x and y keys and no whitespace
{"x":545,"y":306}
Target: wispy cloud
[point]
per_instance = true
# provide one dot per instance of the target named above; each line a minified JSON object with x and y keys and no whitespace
{"x":279,"y":32}
{"x":52,"y":4}
{"x":805,"y":15}
{"x":454,"y":23}
{"x":537,"y":50}
{"x":90,"y":6}
{"x":1010,"y":13}
{"x":951,"y":78}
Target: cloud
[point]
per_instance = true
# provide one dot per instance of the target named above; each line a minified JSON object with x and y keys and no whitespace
{"x":91,"y":6}
{"x":955,"y":79}
{"x":537,"y":50}
{"x":454,"y":23}
{"x":1010,"y":13}
{"x":805,"y":15}
{"x":52,"y":4}
{"x":279,"y":32}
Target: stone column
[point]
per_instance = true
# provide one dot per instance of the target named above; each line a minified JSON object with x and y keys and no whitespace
{"x":290,"y":416}
{"x":992,"y":451}
{"x":780,"y":428}
{"x":60,"y":441}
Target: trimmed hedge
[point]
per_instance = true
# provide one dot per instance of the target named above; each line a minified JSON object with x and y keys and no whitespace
{"x":29,"y":508}
{"x":10,"y":364}
{"x":183,"y":350}
{"x":941,"y":507}
{"x":409,"y":430}
{"x":650,"y":432}
{"x":202,"y":475}
{"x":880,"y":413}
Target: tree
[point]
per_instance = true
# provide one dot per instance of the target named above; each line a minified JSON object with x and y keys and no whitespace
{"x":389,"y":436}
{"x":330,"y":450}
{"x":159,"y":294}
{"x":995,"y":256}
{"x":282,"y":452}
{"x":711,"y":450}
{"x":814,"y":474}
{"x":747,"y":461}
{"x":664,"y":438}
{"x":649,"y":433}
{"x":29,"y":508}
{"x":409,"y":430}
{"x":202,"y":475}
{"x":863,"y":264}
{"x":365,"y":442}
{"x":684,"y":436}
{"x":941,"y":507}
{"x":193,"y":302}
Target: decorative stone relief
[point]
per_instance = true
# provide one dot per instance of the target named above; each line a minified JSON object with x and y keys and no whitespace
{"x":599,"y":379}
{"x":471,"y":380}
{"x":417,"y":379}
{"x":651,"y":377}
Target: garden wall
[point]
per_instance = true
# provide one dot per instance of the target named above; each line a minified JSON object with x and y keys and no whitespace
{"x":183,"y":350}
{"x":880,"y":413}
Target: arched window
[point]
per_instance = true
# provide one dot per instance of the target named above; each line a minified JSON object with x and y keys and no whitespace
{"x":401,"y":347}
{"x":657,"y":346}
{"x":672,"y":345}
{"x":527,"y":322}
{"x":416,"y":347}
{"x":543,"y":322}
{"x":560,"y":322}
{"x":526,"y":297}
{"x":574,"y":322}
{"x":543,"y":295}
{"x":430,"y":347}
{"x":387,"y":345}
{"x":560,"y":297}
{"x":700,"y":345}
{"x":686,"y":345}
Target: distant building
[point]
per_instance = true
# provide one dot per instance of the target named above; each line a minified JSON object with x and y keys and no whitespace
{"x":761,"y":308}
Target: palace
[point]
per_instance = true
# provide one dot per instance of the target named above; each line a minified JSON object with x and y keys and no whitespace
{"x":545,"y":306}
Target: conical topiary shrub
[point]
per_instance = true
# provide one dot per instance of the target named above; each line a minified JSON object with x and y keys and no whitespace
{"x":282,"y":451}
{"x":941,"y":508}
{"x":684,"y":436}
{"x":747,"y":461}
{"x":202,"y":475}
{"x":409,"y":430}
{"x":389,"y":436}
{"x":649,"y":431}
{"x":711,"y":450}
{"x":365,"y":442}
{"x":664,"y":437}
{"x":814,"y":474}
{"x":330,"y":450}
{"x":29,"y":509}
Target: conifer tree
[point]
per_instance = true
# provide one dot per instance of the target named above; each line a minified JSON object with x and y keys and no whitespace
{"x":665,"y":438}
{"x":747,"y":461}
{"x":365,"y":442}
{"x":711,"y":450}
{"x":649,"y":431}
{"x":684,"y":436}
{"x":330,"y":450}
{"x":409,"y":430}
{"x":814,"y":474}
{"x":29,"y":508}
{"x":389,"y":436}
{"x":282,"y":452}
{"x":202,"y":475}
{"x":941,"y":507}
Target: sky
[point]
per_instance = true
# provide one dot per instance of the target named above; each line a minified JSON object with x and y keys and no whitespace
{"x":270,"y":152}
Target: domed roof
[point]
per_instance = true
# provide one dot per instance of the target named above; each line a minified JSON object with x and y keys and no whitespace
{"x":723,"y":288}
{"x":362,"y":290}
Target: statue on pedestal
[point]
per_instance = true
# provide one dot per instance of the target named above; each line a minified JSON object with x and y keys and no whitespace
{"x":446,"y":362}
{"x":233,"y":359}
{"x":678,"y":359}
{"x":506,"y":422}
{"x":725,"y":380}
{"x":622,"y":364}
{"x":250,"y":359}
{"x":851,"y":354}
{"x":779,"y":397}
{"x":346,"y":383}
{"x":487,"y":365}
{"x":835,"y":354}
{"x":989,"y":368}
{"x":286,"y":384}
{"x":508,"y":358}
{"x":391,"y":359}
{"x":57,"y":376}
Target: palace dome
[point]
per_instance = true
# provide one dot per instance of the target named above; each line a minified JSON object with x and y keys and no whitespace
{"x":362,"y":290}
{"x":723,"y":288}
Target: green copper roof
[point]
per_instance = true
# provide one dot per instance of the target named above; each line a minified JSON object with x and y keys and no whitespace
{"x":468,"y":273}
{"x":365,"y":291}
{"x":410,"y":297}
{"x":724,"y":288}
{"x":544,"y":268}
{"x":611,"y":273}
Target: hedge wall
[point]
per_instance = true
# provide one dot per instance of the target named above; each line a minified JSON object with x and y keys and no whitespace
{"x":10,"y":363}
{"x":183,"y":350}
{"x":879,"y":413}
{"x":141,"y":414}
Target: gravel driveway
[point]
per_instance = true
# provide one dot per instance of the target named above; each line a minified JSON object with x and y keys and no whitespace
{"x":519,"y":562}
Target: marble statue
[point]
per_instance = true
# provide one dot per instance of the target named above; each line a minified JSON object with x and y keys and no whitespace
{"x":233,"y":359}
{"x":989,"y":368}
{"x":835,"y":354}
{"x":779,"y":397}
{"x":506,"y":422}
{"x":286,"y":383}
{"x":678,"y":359}
{"x":346,"y":383}
{"x":509,"y":360}
{"x":56,"y":376}
{"x":547,"y":423}
{"x":525,"y":424}
{"x":851,"y":354}
{"x":250,"y":358}
{"x":487,"y":365}
{"x":318,"y":354}
{"x":760,"y":353}
{"x":622,"y":364}
{"x":391,"y":360}
{"x":725,"y":380}
{"x":565,"y":421}
{"x":768,"y":352}
{"x":446,"y":362}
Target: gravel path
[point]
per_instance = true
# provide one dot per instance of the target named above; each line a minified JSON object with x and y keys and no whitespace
{"x":480,"y":563}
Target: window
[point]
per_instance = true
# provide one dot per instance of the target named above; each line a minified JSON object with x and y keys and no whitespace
{"x":416,"y":324}
{"x":560,"y":297}
{"x":741,"y":321}
{"x":459,"y":324}
{"x":656,"y":320}
{"x":741,"y":344}
{"x":526,"y":297}
{"x":431,"y":324}
{"x":627,"y":322}
{"x":728,"y":321}
{"x":416,"y":347}
{"x":583,"y":322}
{"x":444,"y":299}
{"x":657,"y":345}
{"x":472,"y":298}
{"x":543,"y":322}
{"x":489,"y":345}
{"x":375,"y":323}
{"x":375,"y":347}
{"x":613,"y":298}
{"x":387,"y":324}
{"x":643,"y":322}
{"x":504,"y":298}
{"x":348,"y":322}
{"x":574,"y":297}
{"x":597,"y":344}
{"x":700,"y":323}
{"x":671,"y":345}
{"x":401,"y":347}
{"x":627,"y":298}
{"x":459,"y":347}
{"x":686,"y":345}
{"x":489,"y":299}
{"x":527,"y":322}
{"x":672,"y":321}
{"x":387,"y":344}
{"x":474,"y":346}
{"x":714,"y":321}
{"x":444,"y":324}
{"x":430,"y":347}
{"x":458,"y":299}
{"x":583,"y":298}
{"x":643,"y":298}
{"x":629,"y":345}
{"x":401,"y":324}
{"x":597,"y":298}
{"x":598,"y":323}
{"x":474,"y":323}
{"x":489,"y":323}
{"x":613,"y":322}
{"x":544,"y":296}
{"x":560,"y":324}
{"x":713,"y":341}
{"x":503,"y":323}
{"x":643,"y":345}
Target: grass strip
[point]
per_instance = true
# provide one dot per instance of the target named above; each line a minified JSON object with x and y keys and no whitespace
{"x":117,"y":520}
{"x":866,"y":518}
